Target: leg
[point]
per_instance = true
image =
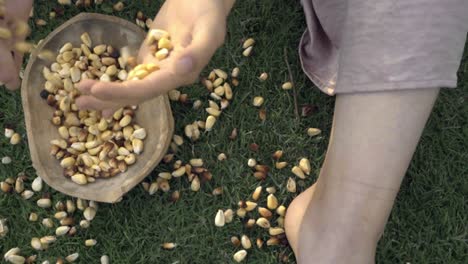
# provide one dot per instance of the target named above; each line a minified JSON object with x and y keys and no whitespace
{"x":373,"y":139}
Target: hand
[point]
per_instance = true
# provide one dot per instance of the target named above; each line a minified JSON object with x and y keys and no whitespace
{"x":196,"y":30}
{"x":15,"y":10}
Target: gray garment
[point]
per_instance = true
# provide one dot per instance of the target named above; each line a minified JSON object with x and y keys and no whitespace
{"x":376,"y":45}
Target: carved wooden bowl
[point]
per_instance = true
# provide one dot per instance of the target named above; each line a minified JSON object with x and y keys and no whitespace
{"x":154,"y":115}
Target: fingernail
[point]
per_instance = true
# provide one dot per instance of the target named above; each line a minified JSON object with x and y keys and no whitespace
{"x":185,"y":65}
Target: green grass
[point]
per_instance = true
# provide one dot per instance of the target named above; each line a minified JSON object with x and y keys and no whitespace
{"x":428,"y":223}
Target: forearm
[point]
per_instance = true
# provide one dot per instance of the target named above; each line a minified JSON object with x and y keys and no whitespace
{"x":228,"y":4}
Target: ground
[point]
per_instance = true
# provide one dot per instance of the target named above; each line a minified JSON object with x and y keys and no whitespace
{"x":427,"y":225}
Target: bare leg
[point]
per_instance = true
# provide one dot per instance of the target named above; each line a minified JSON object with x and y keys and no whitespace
{"x":372,"y":142}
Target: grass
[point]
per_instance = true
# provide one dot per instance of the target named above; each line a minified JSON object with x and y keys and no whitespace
{"x":428,"y":223}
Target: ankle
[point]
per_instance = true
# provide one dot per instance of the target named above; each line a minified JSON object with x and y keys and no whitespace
{"x":328,"y":245}
{"x":356,"y":212}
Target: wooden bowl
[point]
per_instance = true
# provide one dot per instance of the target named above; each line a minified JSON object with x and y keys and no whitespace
{"x":154,"y":115}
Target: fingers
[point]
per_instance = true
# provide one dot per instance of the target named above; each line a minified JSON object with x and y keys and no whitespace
{"x":8,"y":69}
{"x":85,"y":86}
{"x":107,"y":113}
{"x":183,"y":68}
{"x":157,"y":83}
{"x":208,"y":35}
{"x":18,"y":58}
{"x":93,"y":103}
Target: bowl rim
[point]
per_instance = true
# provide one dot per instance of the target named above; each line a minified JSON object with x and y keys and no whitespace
{"x":128,"y":184}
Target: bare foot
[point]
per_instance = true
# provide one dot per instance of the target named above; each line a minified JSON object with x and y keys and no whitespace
{"x":319,"y":233}
{"x":294,"y":216}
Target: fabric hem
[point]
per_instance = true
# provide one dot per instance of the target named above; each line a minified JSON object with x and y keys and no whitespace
{"x":327,"y":89}
{"x":396,"y":86}
{"x":330,"y":88}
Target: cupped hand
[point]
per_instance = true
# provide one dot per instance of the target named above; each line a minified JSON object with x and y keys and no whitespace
{"x":196,"y":28}
{"x":14,"y":12}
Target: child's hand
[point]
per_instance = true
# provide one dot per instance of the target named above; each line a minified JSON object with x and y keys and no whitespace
{"x":11,"y":61}
{"x":197,"y":29}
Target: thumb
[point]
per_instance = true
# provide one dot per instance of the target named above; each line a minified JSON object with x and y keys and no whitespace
{"x":8,"y":70}
{"x":207,"y":36}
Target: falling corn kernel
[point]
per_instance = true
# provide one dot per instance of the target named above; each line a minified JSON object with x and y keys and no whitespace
{"x":179,"y":172}
{"x":5,"y":33}
{"x":281,"y":165}
{"x":222,"y":157}
{"x":281,"y":210}
{"x":271,"y":190}
{"x":33,"y":217}
{"x":46,"y":55}
{"x":219,"y":219}
{"x":86,"y":39}
{"x":169,"y":245}
{"x":274,"y":231}
{"x":250,"y":206}
{"x":40,"y":22}
{"x":64,"y":2}
{"x":248,"y":43}
{"x":235,"y":241}
{"x":90,"y":242}
{"x":105,"y":259}
{"x":72,"y":258}
{"x":36,"y":243}
{"x":264,"y":212}
{"x":298,"y":172}
{"x":196,"y":162}
{"x":6,"y":160}
{"x":23,"y":47}
{"x":272,"y":202}
{"x":287,"y":86}
{"x":251,"y":163}
{"x":235,"y":72}
{"x":245,"y":242}
{"x":15,"y":139}
{"x":304,"y":164}
{"x":256,"y":194}
{"x":44,"y":203}
{"x":240,"y":255}
{"x":258,"y":101}
{"x":21,"y":28}
{"x":80,"y":179}
{"x":119,"y":6}
{"x":218,"y":191}
{"x":263,"y":223}
{"x":210,"y":121}
{"x":221,"y":74}
{"x":311,"y":132}
{"x":89,"y":213}
{"x":9,"y":132}
{"x":62,"y":230}
{"x":247,"y":51}
{"x":291,"y":185}
{"x":195,"y":185}
{"x":273,"y":241}
{"x":228,"y":216}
